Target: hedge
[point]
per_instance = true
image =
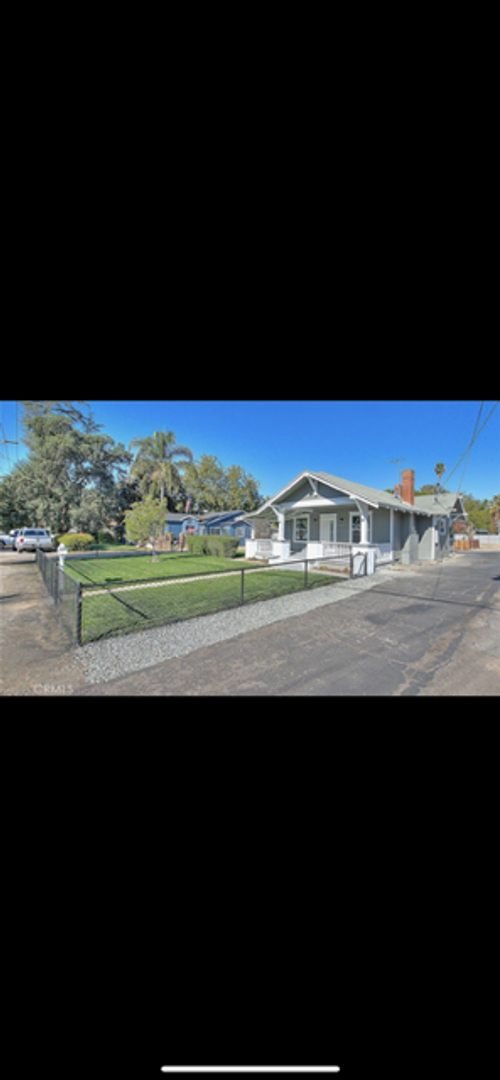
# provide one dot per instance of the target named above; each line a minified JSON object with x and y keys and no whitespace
{"x":223,"y":546}
{"x":76,"y":541}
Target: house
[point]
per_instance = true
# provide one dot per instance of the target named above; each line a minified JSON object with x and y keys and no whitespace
{"x":177,"y":523}
{"x":226,"y":523}
{"x":318,"y":514}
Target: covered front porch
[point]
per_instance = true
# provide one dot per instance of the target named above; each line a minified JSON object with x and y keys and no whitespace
{"x":314,"y":521}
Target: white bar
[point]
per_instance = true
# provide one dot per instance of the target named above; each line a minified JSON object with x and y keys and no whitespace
{"x":250,"y":1068}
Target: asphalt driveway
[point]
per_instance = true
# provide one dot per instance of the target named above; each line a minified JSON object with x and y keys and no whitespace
{"x":430,"y":629}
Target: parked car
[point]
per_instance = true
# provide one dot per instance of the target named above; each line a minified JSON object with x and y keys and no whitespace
{"x":6,"y":541}
{"x":31,"y":539}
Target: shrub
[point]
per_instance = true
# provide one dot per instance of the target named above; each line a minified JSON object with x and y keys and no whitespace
{"x":197,"y":545}
{"x":105,"y":537}
{"x":221,"y":546}
{"x":76,"y":541}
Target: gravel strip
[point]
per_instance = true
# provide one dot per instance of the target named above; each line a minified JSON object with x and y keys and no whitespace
{"x":112,"y":657}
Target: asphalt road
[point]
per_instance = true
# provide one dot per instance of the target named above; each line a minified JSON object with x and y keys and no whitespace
{"x":432,"y":629}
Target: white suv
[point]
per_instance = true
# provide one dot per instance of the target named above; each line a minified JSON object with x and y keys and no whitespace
{"x":31,"y":539}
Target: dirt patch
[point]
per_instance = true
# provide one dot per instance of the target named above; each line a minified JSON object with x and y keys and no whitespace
{"x":36,"y":656}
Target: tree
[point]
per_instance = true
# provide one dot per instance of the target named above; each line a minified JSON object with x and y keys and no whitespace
{"x":204,"y":481}
{"x":495,"y":512}
{"x":439,"y":470}
{"x":67,"y":457}
{"x":145,"y":522}
{"x":157,"y":463}
{"x":212,"y":488}
{"x":478,"y":514}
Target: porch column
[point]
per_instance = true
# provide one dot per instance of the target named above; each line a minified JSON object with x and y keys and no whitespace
{"x":363,"y":510}
{"x":364,"y":541}
{"x":280,"y":514}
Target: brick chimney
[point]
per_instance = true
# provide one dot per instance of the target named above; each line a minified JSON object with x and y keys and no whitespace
{"x":409,"y":486}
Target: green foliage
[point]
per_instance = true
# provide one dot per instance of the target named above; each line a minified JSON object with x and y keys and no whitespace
{"x":70,"y":476}
{"x":145,"y":522}
{"x":197,"y":545}
{"x":156,"y":465}
{"x":479,"y":512}
{"x":212,"y":488}
{"x":76,"y":541}
{"x":222,"y":546}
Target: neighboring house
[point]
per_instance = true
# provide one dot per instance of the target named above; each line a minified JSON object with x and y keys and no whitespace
{"x":177,"y":523}
{"x":318,"y":514}
{"x":227,"y":523}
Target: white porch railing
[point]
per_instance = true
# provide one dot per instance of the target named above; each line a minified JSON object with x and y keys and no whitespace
{"x":337,"y":549}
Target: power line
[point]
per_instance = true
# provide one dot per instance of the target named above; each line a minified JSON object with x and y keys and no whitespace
{"x":471,"y":444}
{"x":462,"y":478}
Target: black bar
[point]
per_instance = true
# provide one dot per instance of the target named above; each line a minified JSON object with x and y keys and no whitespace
{"x":242,"y":596}
{"x":79,"y":614}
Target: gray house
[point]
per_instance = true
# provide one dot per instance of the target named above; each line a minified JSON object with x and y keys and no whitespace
{"x":318,"y":514}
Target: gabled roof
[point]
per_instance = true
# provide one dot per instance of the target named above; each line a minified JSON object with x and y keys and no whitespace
{"x":220,"y":515}
{"x":371,"y":495}
{"x":374,"y":497}
{"x":443,"y":503}
{"x":173,"y":515}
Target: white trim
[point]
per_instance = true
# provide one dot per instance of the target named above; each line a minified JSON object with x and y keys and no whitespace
{"x":328,"y":517}
{"x":295,"y":537}
{"x":357,"y":513}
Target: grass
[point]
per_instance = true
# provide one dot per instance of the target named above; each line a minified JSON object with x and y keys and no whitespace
{"x":104,"y":571}
{"x":133,"y":609}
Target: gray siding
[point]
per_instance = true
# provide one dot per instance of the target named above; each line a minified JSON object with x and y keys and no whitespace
{"x":381,"y":526}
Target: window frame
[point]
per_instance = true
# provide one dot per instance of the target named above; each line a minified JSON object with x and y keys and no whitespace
{"x":301,"y":539}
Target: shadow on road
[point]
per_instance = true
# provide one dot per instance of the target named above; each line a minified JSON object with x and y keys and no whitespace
{"x":437,"y":599}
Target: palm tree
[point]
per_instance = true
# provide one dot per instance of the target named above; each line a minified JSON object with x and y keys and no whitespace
{"x":156,"y":461}
{"x":439,"y":470}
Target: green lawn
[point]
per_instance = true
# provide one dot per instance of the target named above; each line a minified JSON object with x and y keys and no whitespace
{"x":104,"y":571}
{"x":142,"y":608}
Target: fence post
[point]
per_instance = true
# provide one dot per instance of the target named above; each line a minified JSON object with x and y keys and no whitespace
{"x":79,"y":613}
{"x":305,"y":573}
{"x":351,"y":565}
{"x":242,"y":594}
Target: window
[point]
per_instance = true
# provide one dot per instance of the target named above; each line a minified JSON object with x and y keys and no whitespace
{"x":302,"y":528}
{"x":240,"y":530}
{"x":215,"y":531}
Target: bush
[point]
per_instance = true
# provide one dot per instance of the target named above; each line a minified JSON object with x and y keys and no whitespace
{"x":106,"y":537}
{"x":197,"y":545}
{"x":222,"y":546}
{"x":76,"y":541}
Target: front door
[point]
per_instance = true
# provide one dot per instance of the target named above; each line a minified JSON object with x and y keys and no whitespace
{"x":328,"y":528}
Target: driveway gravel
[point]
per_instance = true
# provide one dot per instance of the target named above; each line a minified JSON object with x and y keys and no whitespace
{"x":113,"y":657}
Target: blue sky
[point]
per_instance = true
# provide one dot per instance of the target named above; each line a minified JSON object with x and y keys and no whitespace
{"x":275,"y":440}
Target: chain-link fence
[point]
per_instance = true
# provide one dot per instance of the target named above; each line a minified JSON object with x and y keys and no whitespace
{"x":128,"y":606}
{"x":91,"y":610}
{"x":65,"y":592}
